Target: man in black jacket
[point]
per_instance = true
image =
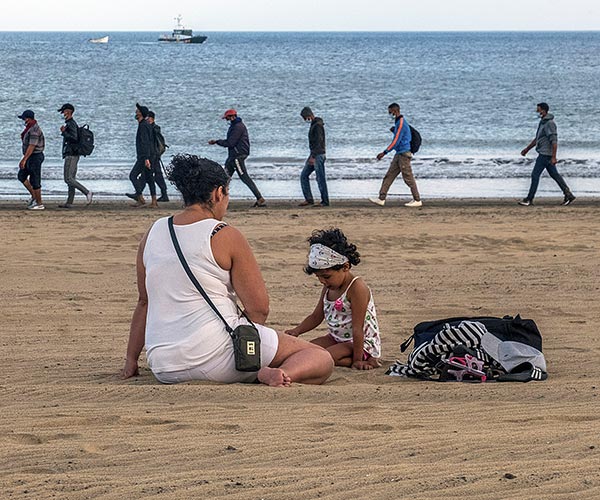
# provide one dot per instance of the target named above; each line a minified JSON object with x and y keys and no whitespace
{"x":157,"y":162}
{"x":316,"y":160}
{"x":145,"y":148}
{"x":70,"y":153}
{"x":238,"y":145}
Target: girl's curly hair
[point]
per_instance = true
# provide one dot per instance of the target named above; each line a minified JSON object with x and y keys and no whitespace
{"x":336,"y":240}
{"x":196,"y":178}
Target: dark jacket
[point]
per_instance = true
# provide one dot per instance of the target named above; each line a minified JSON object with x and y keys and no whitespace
{"x":237,"y":142}
{"x":145,"y":145}
{"x":316,"y":137}
{"x":70,"y":137}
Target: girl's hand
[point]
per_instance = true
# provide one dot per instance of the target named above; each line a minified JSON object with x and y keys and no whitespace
{"x":362,"y":365}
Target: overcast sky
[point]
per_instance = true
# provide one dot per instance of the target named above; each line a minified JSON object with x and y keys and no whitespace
{"x":300,"y":15}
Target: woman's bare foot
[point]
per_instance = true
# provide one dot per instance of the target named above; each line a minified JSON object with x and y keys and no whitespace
{"x":153,"y":205}
{"x":274,"y":377}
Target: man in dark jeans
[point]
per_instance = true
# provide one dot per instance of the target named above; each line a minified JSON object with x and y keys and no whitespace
{"x":145,"y":148}
{"x":238,"y":145}
{"x":157,"y":162}
{"x":316,"y":160}
{"x":70,"y":154}
{"x":30,"y":166}
{"x":546,"y":144}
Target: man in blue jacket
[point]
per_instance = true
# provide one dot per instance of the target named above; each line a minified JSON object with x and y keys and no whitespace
{"x":238,"y":146}
{"x":401,"y":161}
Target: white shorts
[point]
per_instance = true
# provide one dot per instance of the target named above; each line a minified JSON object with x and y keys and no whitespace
{"x":223,"y":369}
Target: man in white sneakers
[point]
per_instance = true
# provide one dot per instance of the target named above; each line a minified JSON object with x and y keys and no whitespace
{"x":401,"y":161}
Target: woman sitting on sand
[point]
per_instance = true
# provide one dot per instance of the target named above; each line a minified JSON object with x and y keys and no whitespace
{"x":184,"y":338}
{"x":346,"y":303}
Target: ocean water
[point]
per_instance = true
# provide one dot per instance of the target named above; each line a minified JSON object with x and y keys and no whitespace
{"x":471,"y":95}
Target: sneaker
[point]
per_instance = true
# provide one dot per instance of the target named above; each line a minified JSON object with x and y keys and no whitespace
{"x":568,"y":200}
{"x":414,"y":203}
{"x":132,"y":196}
{"x":89,"y":197}
{"x":65,"y":205}
{"x":37,"y":207}
{"x":525,"y":202}
{"x":163,"y":198}
{"x":31,"y":202}
{"x":377,"y":201}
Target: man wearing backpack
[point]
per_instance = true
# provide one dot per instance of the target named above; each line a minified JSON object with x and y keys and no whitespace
{"x":70,"y":154}
{"x":546,"y":145}
{"x":161,"y":147}
{"x":401,"y":161}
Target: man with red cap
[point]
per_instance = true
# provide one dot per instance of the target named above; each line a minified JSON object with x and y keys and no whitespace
{"x":238,"y":145}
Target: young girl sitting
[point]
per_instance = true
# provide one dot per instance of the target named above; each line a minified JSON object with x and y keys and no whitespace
{"x":346,"y":303}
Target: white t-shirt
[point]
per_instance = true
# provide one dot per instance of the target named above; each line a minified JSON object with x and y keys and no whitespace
{"x":182,"y":331}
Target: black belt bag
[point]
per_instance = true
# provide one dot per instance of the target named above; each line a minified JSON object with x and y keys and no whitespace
{"x":246,"y":340}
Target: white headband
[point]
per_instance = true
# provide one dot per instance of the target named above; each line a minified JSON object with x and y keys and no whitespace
{"x":322,"y":257}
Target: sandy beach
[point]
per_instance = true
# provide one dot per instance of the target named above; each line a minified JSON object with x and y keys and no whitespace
{"x":71,"y":429}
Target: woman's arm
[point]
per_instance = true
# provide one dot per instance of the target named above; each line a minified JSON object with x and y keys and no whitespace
{"x":137,"y":330}
{"x":233,"y":253}
{"x":359,"y":295}
{"x":313,"y":320}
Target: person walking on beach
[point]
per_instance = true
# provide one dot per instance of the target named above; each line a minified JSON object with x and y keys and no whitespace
{"x":238,"y":146}
{"x":401,"y":162}
{"x":546,"y":145}
{"x":70,"y":154}
{"x":30,"y":166}
{"x":141,"y":173}
{"x":316,"y":160}
{"x":157,"y":165}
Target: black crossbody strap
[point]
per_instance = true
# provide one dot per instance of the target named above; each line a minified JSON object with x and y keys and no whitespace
{"x":193,"y":279}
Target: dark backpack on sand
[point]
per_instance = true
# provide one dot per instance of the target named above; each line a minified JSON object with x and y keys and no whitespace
{"x":504,"y":349}
{"x":415,"y":139}
{"x":85,"y":145}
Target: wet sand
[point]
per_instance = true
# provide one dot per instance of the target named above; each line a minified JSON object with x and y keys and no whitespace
{"x":72,"y":429}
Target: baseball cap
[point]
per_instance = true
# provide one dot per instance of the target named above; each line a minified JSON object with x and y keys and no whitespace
{"x":143,"y":109}
{"x":26,"y":114}
{"x":151,"y":114}
{"x":229,"y":112}
{"x":66,"y":106}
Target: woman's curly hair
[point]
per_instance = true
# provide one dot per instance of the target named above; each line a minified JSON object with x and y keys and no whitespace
{"x":336,"y":240}
{"x":196,"y":178}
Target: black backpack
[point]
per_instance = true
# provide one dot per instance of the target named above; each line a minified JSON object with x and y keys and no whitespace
{"x":85,"y":145}
{"x":161,"y":144}
{"x":415,"y":140}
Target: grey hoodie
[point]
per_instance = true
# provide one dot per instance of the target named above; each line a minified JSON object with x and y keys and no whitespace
{"x":546,"y":135}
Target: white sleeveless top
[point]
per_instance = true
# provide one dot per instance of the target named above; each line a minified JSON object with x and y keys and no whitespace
{"x":338,"y":314}
{"x":182,"y":331}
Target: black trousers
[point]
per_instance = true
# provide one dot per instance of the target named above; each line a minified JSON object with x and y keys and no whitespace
{"x":140,"y":176}
{"x":238,"y":164}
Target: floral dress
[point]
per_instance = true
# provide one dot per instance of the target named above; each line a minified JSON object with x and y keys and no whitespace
{"x":338,"y":314}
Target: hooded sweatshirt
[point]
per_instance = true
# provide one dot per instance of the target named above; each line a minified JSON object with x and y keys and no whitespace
{"x":546,"y":135}
{"x":316,"y":137}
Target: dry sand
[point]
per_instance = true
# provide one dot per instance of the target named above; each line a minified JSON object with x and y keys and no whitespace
{"x":71,"y":429}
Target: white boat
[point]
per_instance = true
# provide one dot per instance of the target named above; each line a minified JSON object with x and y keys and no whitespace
{"x":182,"y":35}
{"x":102,"y":39}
